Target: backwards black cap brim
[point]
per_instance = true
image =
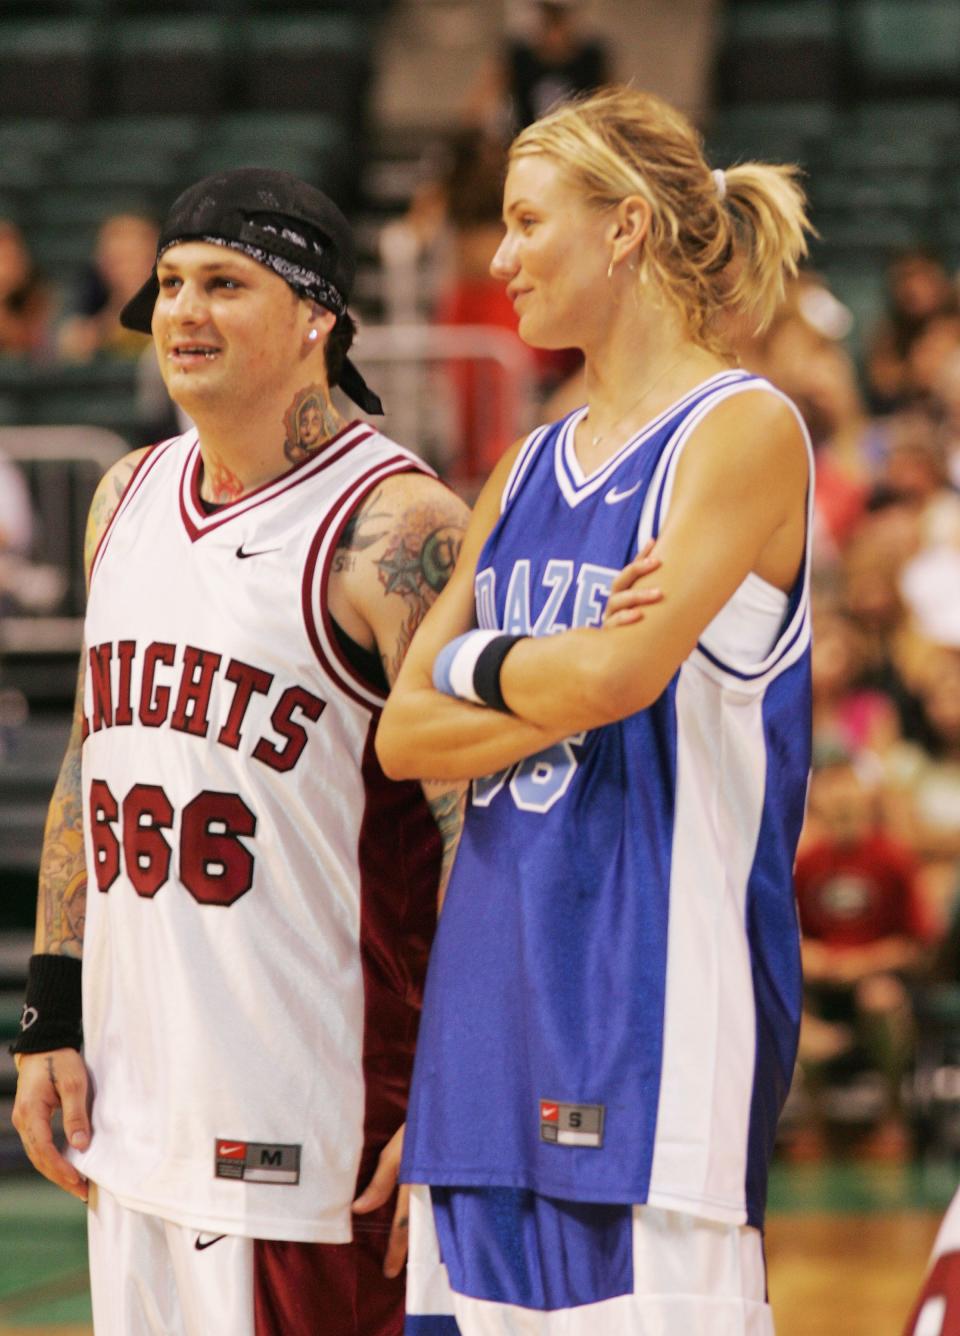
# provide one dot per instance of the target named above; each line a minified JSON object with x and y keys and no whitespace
{"x":138,"y":312}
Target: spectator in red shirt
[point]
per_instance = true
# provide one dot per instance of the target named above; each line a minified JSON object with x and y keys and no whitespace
{"x":864,"y":930}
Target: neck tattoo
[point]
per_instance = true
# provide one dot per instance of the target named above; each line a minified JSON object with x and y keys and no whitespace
{"x":308,"y":423}
{"x":602,"y":435}
{"x":222,"y":483}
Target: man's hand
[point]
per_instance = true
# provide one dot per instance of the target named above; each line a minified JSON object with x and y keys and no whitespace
{"x":628,"y":596}
{"x":48,"y":1081}
{"x":378,"y":1191}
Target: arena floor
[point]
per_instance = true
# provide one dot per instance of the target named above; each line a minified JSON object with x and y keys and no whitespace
{"x":846,"y":1248}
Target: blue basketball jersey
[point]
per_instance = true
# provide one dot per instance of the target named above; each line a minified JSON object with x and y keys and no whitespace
{"x":614,"y":993}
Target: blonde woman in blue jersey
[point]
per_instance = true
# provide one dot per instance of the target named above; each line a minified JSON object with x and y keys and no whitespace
{"x":614,"y":995}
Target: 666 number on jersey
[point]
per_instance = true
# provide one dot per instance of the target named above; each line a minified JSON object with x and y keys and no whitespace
{"x":214,"y":865}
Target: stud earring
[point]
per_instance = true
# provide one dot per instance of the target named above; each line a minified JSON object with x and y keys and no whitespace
{"x":312,"y":336}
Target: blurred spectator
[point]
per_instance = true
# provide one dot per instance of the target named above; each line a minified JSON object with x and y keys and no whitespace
{"x":472,"y":296}
{"x":893,"y":650}
{"x":25,"y":301}
{"x":848,"y":717}
{"x":802,"y":353}
{"x":925,"y":781}
{"x":865,"y":930}
{"x":928,"y":354}
{"x":125,"y":250}
{"x":550,"y":61}
{"x":915,"y":482}
{"x":919,"y":289}
{"x":24,"y":585}
{"x":946,"y":403}
{"x":453,"y":228}
{"x":16,"y":517}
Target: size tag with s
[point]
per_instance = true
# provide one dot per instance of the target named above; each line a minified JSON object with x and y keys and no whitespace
{"x":571,"y":1124}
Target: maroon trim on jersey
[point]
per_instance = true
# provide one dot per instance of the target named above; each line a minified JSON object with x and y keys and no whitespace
{"x":943,"y":1283}
{"x":296,"y":474}
{"x":141,"y":469}
{"x":399,"y":853}
{"x":339,"y":666}
{"x":339,"y":1288}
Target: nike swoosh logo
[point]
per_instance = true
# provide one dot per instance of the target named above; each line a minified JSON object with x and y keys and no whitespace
{"x":260,"y":551}
{"x":226,"y":1149}
{"x":209,"y":1243}
{"x":613,"y":496}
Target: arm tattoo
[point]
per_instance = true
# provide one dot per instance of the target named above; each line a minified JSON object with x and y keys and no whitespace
{"x":105,"y":502}
{"x":310,"y":420}
{"x":361,"y":531}
{"x":62,"y":900}
{"x":416,"y":565}
{"x":447,"y":805}
{"x":63,"y":871}
{"x":52,"y":1074}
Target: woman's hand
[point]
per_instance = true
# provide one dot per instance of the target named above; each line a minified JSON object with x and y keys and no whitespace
{"x":628,"y":596}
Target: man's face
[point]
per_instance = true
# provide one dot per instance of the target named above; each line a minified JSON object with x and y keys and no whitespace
{"x":227,"y":330}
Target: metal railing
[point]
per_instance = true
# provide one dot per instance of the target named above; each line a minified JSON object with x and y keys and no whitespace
{"x":63,"y":466}
{"x":457,"y":422}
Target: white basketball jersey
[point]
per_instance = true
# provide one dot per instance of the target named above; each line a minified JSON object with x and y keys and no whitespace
{"x":259,"y":894}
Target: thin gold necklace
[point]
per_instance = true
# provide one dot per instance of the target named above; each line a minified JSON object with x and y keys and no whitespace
{"x":602,"y":435}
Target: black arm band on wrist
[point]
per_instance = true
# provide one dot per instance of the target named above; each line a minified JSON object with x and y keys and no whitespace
{"x":486,"y":671}
{"x":52,"y":1009}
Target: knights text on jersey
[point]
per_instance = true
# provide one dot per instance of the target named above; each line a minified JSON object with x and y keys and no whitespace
{"x":613,"y":997}
{"x":261,"y":898}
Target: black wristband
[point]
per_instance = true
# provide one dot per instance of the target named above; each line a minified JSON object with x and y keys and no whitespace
{"x":486,"y":671}
{"x":52,"y":1009}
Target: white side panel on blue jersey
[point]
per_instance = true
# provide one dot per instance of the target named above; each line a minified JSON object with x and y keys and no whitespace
{"x":706,"y":1082}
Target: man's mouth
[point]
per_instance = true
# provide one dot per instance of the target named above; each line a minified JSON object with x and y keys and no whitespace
{"x":191,"y":353}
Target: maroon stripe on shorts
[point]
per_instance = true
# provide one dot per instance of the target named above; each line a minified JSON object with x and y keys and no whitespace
{"x":338,"y":1289}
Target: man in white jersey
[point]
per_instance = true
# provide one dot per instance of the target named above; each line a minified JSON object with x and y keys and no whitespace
{"x":261,"y":898}
{"x":936,"y":1310}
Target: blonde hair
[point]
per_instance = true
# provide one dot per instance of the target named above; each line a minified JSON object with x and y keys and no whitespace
{"x":622,"y":142}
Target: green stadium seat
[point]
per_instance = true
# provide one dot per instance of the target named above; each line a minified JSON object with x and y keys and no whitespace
{"x":313,"y":131}
{"x":147,"y":171}
{"x":778,"y":132}
{"x":896,"y":44}
{"x":873,"y":236}
{"x":779,"y":49}
{"x":164,"y":132}
{"x":310,"y":144}
{"x":321,"y":63}
{"x":946,"y":232}
{"x":79,"y":209}
{"x":908,"y":192}
{"x":20,"y":172}
{"x":857,"y":150}
{"x":47,"y":68}
{"x":155,"y":64}
{"x":43,"y":9}
{"x":15,"y":206}
{"x":226,"y":155}
{"x":43,"y":137}
{"x":934,"y":117}
{"x":11,"y":409}
{"x":101,"y":393}
{"x":61,"y":250}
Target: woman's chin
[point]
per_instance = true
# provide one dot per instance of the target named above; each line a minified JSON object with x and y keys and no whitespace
{"x":536,"y":335}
